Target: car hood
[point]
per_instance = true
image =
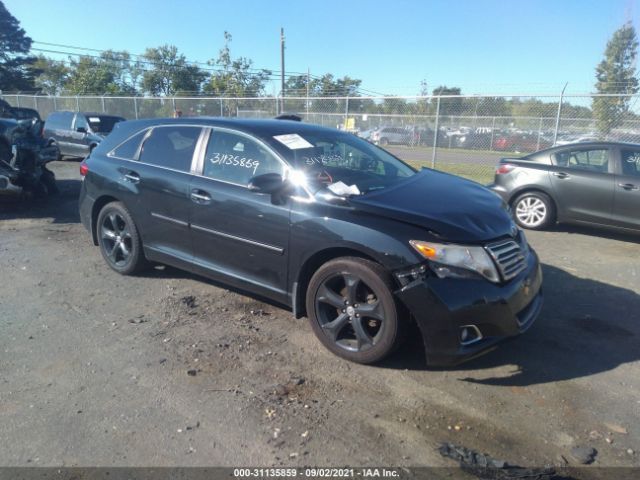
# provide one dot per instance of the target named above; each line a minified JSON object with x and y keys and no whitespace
{"x":455,"y":209}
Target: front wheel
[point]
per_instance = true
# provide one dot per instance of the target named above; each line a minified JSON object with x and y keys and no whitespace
{"x":352,"y":310}
{"x":119,"y":240}
{"x":534,"y":210}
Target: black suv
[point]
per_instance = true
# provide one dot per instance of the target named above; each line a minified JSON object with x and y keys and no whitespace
{"x":321,"y":221}
{"x":77,"y":133}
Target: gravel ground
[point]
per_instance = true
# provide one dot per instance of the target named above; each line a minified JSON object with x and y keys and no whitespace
{"x":169,"y":369}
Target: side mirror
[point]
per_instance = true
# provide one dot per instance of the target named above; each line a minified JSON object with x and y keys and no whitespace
{"x":81,"y":130}
{"x":266,"y":183}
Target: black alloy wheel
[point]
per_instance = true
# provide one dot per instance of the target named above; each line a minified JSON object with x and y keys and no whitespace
{"x":352,"y":310}
{"x":119,"y":240}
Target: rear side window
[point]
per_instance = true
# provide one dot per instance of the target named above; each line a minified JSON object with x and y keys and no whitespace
{"x":129,"y":149}
{"x":170,"y":147}
{"x":631,"y":162}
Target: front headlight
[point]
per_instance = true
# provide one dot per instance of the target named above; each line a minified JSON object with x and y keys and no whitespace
{"x":457,"y":261}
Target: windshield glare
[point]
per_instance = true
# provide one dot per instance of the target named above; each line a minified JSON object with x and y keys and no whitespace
{"x":345,"y":158}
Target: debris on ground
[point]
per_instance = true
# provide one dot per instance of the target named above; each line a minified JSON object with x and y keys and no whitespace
{"x":139,"y":319}
{"x":189,"y":301}
{"x":613,"y":427}
{"x":584,"y":455}
{"x":192,"y":372}
{"x":485,"y":467}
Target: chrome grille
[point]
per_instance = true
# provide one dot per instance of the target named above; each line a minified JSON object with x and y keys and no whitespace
{"x":510,"y":257}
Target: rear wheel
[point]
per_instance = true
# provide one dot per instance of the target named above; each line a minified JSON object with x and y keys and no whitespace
{"x":384,"y":142}
{"x":352,"y":310}
{"x":119,"y":240}
{"x":534,"y":210}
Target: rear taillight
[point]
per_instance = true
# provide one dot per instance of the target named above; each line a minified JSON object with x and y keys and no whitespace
{"x":504,"y":168}
{"x":84,"y":169}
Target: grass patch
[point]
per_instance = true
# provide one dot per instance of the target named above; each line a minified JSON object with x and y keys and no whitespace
{"x":478,"y":173}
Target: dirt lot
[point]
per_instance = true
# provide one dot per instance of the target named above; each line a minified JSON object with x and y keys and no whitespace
{"x":94,"y":366}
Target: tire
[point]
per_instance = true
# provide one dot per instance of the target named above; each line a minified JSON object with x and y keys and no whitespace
{"x":352,"y":310}
{"x":384,"y":142}
{"x":119,"y":240}
{"x":534,"y":210}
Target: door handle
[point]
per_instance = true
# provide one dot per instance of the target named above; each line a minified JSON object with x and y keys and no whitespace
{"x":132,"y":177}
{"x":200,"y":197}
{"x":561,"y":175}
{"x":628,"y":186}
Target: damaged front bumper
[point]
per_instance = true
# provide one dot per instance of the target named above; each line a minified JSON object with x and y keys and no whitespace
{"x":462,"y":318}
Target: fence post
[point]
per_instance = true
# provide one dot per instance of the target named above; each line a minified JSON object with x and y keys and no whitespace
{"x":18,"y":101}
{"x":55,"y":104}
{"x":135,"y":106}
{"x":103,"y":106}
{"x":539,"y":133}
{"x":173,"y":104}
{"x":221,"y":108}
{"x":493,"y":132}
{"x":435,"y":135}
{"x":555,"y":133}
{"x":346,"y":114}
{"x":35,"y":103}
{"x":77,"y":103}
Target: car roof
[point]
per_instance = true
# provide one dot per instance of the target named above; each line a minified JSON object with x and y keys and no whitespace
{"x":583,"y":145}
{"x":257,"y":127}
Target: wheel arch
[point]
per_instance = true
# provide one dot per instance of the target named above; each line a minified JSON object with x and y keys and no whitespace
{"x":95,"y":211}
{"x":311,"y":265}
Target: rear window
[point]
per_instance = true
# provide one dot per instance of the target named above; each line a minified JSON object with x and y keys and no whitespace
{"x":102,"y":124}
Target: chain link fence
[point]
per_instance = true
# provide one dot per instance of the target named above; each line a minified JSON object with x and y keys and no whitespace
{"x":464,"y":135}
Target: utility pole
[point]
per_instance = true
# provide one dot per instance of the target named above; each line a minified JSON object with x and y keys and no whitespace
{"x":282,"y":69}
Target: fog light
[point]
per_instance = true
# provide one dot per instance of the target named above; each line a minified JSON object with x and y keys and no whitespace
{"x":469,"y":334}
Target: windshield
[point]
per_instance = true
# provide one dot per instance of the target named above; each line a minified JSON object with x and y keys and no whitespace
{"x":341,"y":162}
{"x":100,"y":124}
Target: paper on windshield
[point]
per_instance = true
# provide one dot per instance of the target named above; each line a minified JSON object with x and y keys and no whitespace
{"x":293,"y":141}
{"x":342,"y":189}
{"x":94,"y":119}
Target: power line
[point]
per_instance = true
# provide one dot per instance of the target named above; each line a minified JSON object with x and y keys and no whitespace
{"x":204,"y":66}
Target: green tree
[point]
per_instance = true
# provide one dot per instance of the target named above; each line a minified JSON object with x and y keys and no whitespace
{"x":51,"y":75}
{"x":235,"y":77}
{"x":15,"y":73}
{"x":451,"y":105}
{"x":90,"y":76}
{"x":169,"y":73}
{"x":615,"y":74}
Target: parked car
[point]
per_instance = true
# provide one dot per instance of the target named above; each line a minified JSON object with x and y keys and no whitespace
{"x":394,"y":136}
{"x":520,"y":142}
{"x":477,"y":140}
{"x":24,"y":155}
{"x":590,"y":183}
{"x":77,"y":133}
{"x":318,"y":220}
{"x":567,"y":139}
